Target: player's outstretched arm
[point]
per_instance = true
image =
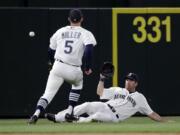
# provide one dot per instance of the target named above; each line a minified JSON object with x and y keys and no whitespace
{"x":106,"y":72}
{"x":156,"y":117}
{"x":100,"y":86}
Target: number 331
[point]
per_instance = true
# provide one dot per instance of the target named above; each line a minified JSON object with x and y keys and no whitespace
{"x":156,"y":23}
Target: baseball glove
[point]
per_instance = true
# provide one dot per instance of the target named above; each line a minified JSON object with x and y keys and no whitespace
{"x":107,"y":69}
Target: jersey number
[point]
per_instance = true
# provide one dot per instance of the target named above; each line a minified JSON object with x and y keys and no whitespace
{"x":68,"y":46}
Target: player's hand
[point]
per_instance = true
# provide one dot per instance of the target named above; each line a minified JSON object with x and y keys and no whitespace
{"x":49,"y":65}
{"x":88,"y":71}
{"x":107,"y":70}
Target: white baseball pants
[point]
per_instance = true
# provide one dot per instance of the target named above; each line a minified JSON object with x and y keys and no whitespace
{"x":96,"y":110}
{"x":62,"y":72}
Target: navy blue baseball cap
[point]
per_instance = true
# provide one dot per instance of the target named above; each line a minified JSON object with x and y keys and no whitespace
{"x":75,"y":15}
{"x":132,"y":76}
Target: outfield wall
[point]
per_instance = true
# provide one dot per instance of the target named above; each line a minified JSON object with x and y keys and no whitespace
{"x":144,"y":41}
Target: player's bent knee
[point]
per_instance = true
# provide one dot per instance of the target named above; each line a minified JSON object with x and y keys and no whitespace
{"x":86,"y":104}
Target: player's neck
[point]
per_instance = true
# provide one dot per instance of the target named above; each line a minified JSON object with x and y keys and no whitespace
{"x":131,"y":90}
{"x":75,"y":24}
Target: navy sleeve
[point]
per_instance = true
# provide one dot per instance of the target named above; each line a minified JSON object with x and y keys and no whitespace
{"x":88,"y":54}
{"x":51,"y":53}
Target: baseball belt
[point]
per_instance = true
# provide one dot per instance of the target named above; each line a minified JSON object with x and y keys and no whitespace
{"x":113,"y":110}
{"x":66,"y":63}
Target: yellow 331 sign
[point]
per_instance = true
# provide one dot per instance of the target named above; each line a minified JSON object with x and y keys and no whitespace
{"x":156,"y":25}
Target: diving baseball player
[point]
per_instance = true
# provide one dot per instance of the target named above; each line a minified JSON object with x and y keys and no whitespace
{"x":67,"y":47}
{"x":122,"y":104}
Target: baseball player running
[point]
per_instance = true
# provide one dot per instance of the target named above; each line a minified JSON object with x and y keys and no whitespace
{"x":122,"y":104}
{"x":66,"y":50}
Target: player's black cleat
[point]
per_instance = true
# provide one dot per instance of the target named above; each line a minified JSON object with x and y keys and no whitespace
{"x":33,"y":120}
{"x":70,"y":118}
{"x":50,"y":117}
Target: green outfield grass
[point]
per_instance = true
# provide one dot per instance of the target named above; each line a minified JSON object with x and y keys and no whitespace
{"x":134,"y":124}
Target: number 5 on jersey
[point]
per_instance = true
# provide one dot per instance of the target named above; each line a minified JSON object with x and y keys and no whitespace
{"x":68,"y":46}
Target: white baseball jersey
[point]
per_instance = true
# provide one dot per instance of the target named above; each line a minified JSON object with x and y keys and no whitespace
{"x":128,"y":105}
{"x":69,"y":43}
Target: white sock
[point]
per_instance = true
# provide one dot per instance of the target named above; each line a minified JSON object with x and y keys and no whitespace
{"x":37,"y":112}
{"x":70,"y":109}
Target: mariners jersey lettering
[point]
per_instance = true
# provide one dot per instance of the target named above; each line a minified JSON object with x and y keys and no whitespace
{"x":69,"y":43}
